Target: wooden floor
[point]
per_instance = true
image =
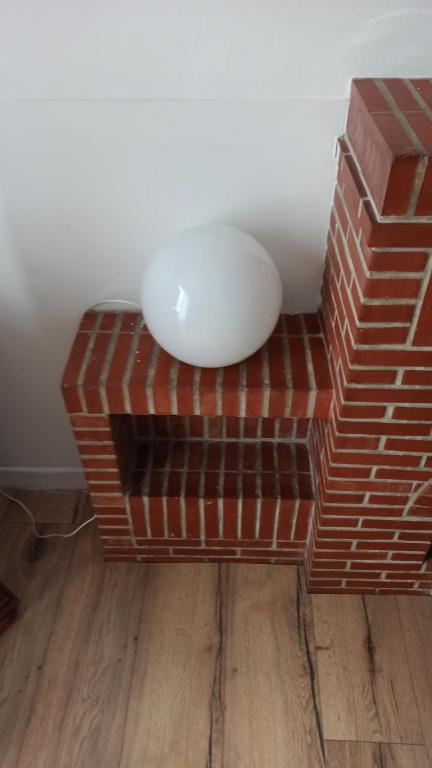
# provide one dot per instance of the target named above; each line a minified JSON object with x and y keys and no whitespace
{"x":200,"y":666}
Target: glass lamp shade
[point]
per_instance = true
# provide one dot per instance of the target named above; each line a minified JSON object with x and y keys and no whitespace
{"x":211,"y":296}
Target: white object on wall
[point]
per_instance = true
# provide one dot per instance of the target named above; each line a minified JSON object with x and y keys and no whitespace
{"x":211,"y":296}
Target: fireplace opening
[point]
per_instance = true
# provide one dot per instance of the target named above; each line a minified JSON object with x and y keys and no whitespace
{"x":213,"y":457}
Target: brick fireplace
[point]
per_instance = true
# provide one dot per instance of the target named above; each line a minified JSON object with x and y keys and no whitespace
{"x":310,"y":449}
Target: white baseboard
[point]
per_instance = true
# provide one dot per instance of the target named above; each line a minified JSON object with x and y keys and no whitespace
{"x":36,"y":478}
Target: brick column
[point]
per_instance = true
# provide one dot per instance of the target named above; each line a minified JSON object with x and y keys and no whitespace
{"x":375,"y":451}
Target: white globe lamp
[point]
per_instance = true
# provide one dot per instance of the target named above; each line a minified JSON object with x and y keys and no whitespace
{"x":211,"y":296}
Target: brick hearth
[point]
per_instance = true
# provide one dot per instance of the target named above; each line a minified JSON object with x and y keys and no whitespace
{"x":311,"y":448}
{"x":183,"y":462}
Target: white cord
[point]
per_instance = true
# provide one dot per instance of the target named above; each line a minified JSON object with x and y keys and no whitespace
{"x":33,"y":521}
{"x":408,"y":506}
{"x":113,"y":301}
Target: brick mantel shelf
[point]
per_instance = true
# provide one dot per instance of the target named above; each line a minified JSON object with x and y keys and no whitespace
{"x":309,"y":450}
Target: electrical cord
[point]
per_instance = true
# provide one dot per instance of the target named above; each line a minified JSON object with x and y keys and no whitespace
{"x":33,"y":521}
{"x":408,"y":506}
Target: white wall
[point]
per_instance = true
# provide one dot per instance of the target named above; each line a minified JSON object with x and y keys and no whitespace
{"x":122,"y":121}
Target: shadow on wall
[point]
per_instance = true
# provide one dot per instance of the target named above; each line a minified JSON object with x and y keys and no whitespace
{"x":300,"y":295}
{"x":300,"y":263}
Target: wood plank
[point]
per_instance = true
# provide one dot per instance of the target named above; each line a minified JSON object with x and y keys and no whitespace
{"x":34,"y":570}
{"x":351,"y":754}
{"x":93,"y":708}
{"x":416,"y":620}
{"x":168,"y":722}
{"x":66,"y":648}
{"x":366,"y":687}
{"x":49,"y":506}
{"x":270,"y":701}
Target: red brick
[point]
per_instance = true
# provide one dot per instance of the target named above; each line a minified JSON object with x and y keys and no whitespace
{"x":421,"y":125}
{"x":375,"y":459}
{"x":334,"y":545}
{"x":381,"y":288}
{"x":403,"y":558}
{"x":382,"y":335}
{"x":424,"y":89}
{"x":351,"y":555}
{"x":341,"y":590}
{"x":94,"y":435}
{"x":111,"y":520}
{"x":88,"y":321}
{"x":328,"y":497}
{"x":207,"y":391}
{"x":368,"y":485}
{"x":378,"y":140}
{"x":93,"y":372}
{"x":423,"y":332}
{"x":329,"y":570}
{"x":102,"y":449}
{"x":116,"y":541}
{"x":396,"y":501}
{"x":423,"y":207}
{"x":351,"y":411}
{"x":372,"y":584}
{"x":342,"y":442}
{"x":411,"y":235}
{"x":370,"y":95}
{"x":402,"y":474}
{"x":418,"y":378}
{"x":359,"y":376}
{"x":384,"y":546}
{"x":316,"y":582}
{"x":114,"y":390}
{"x":254,"y":385}
{"x":300,"y":377}
{"x":397,"y":358}
{"x":89,"y":422}
{"x":381,"y":428}
{"x":393,"y":444}
{"x":100,"y":475}
{"x":320,"y":365}
{"x":401,"y":94}
{"x":205,"y":552}
{"x":387,"y":395}
{"x":414,"y":414}
{"x":137,"y":515}
{"x":394,"y":261}
{"x":411,"y":525}
{"x":346,"y":534}
{"x":108,"y":321}
{"x":161,"y":395}
{"x":384,"y":313}
{"x":107,"y":487}
{"x":173,"y":542}
{"x":340,"y":522}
